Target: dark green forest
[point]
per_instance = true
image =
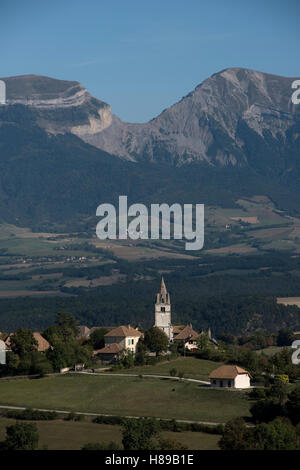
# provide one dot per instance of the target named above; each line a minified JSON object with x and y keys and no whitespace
{"x":228,"y":294}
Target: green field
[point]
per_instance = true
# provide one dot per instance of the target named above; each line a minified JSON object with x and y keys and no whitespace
{"x":190,"y":366}
{"x":70,"y":435}
{"x":126,"y":396}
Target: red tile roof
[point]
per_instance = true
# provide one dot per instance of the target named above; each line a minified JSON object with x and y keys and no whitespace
{"x":43,"y":344}
{"x":177,"y":329}
{"x":187,"y":333}
{"x":227,"y":372}
{"x":113,"y":348}
{"x":124,"y":331}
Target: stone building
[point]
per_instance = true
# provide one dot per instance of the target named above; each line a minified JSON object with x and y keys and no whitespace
{"x":163,"y":311}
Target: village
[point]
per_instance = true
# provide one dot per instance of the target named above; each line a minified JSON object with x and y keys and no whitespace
{"x":124,"y":341}
{"x":169,"y":376}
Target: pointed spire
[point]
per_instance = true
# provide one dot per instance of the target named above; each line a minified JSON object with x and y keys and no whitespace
{"x":163,"y":289}
{"x":163,"y":296}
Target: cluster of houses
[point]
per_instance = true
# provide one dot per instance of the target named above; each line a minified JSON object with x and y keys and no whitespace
{"x":124,"y":339}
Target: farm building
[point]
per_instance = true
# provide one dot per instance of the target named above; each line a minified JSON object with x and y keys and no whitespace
{"x":230,"y":377}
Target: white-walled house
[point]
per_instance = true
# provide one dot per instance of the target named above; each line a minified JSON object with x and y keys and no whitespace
{"x":119,"y":340}
{"x":228,"y":376}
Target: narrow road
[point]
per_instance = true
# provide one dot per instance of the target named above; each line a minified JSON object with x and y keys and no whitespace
{"x":146,"y":375}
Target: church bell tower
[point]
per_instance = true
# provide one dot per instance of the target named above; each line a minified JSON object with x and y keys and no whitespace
{"x":163,"y":311}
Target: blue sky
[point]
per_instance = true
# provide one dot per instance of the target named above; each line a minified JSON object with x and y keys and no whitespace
{"x":143,"y":56}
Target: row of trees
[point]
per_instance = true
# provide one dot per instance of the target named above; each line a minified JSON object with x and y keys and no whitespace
{"x":260,"y":339}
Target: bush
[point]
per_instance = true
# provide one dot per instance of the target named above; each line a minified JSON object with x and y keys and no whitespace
{"x":21,"y":436}
{"x":108,"y":420}
{"x":79,"y":418}
{"x":257,"y":394}
{"x":30,"y":415}
{"x":264,"y":411}
{"x":117,"y":366}
{"x":71,"y":417}
{"x":174,"y":426}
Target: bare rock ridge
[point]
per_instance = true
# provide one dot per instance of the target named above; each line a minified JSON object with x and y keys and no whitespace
{"x":212,"y":124}
{"x":60,"y":106}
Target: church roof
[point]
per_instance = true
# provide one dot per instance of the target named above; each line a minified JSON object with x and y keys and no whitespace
{"x":227,"y":372}
{"x":124,"y":331}
{"x":163,"y":295}
{"x":187,"y":333}
{"x":163,"y":289}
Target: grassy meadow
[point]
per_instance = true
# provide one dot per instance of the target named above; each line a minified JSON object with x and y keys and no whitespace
{"x":126,"y":396}
{"x":189,"y":366}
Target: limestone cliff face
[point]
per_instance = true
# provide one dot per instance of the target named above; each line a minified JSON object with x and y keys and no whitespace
{"x":209,"y":123}
{"x":59,"y":106}
{"x":216,"y":123}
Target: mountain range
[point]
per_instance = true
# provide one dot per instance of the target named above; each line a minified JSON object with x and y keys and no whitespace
{"x":63,"y":151}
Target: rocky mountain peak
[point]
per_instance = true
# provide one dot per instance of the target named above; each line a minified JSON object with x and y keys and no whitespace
{"x":211,"y":124}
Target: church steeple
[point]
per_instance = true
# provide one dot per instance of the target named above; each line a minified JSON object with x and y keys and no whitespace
{"x":163,"y":288}
{"x":163,"y":296}
{"x":163,"y":310}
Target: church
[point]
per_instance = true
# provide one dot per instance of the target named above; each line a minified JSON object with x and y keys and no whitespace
{"x":185,"y":335}
{"x":124,"y":338}
{"x":163,"y":311}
